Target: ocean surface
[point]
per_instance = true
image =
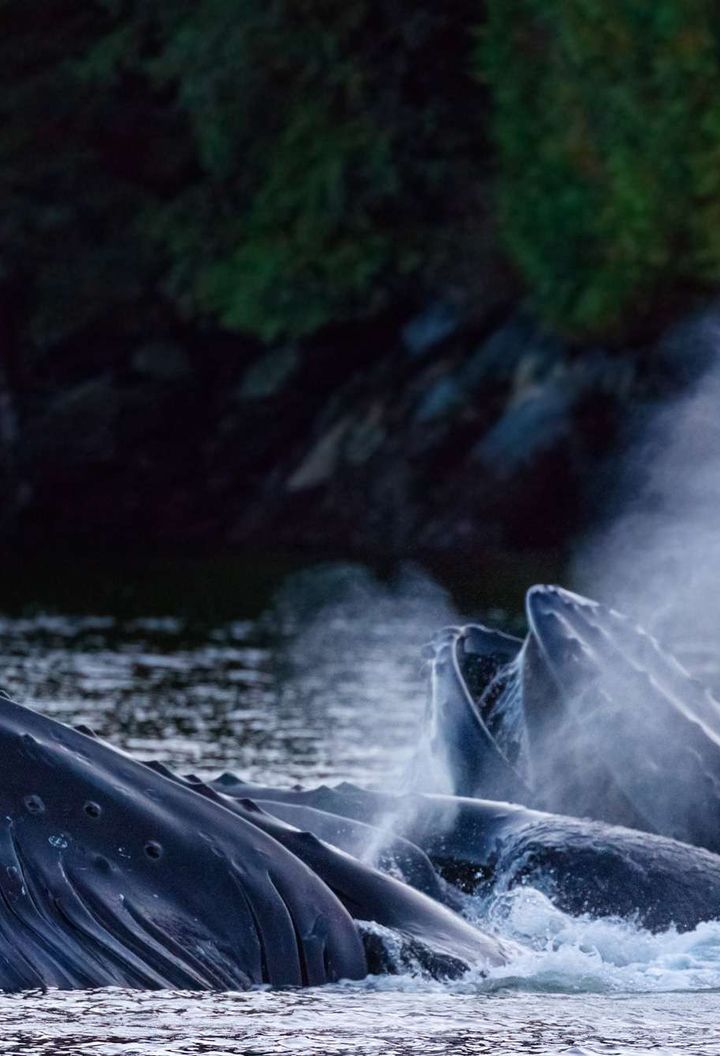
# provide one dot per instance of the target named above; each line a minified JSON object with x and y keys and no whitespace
{"x":325,"y":682}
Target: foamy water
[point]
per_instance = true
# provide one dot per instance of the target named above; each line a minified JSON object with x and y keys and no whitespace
{"x":290,"y":696}
{"x":574,"y":954}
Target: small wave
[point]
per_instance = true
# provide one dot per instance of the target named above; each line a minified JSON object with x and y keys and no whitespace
{"x":596,"y":955}
{"x":564,"y":954}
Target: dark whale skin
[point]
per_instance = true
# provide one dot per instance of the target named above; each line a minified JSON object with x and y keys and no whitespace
{"x":484,"y":846}
{"x":118,"y":873}
{"x":617,"y":728}
{"x":369,"y":895}
{"x":113,"y":875}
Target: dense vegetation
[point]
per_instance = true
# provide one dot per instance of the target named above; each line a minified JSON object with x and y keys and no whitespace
{"x":607,"y":122}
{"x":269,"y":166}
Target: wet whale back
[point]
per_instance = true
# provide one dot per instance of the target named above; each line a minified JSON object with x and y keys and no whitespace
{"x":368,"y":894}
{"x":391,"y":853}
{"x":111,"y":874}
{"x":583,"y":866}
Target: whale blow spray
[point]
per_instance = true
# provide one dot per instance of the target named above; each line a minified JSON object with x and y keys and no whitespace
{"x":659,"y":558}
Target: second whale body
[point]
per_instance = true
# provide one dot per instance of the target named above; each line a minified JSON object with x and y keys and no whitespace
{"x":485,"y":847}
{"x":587,"y":715}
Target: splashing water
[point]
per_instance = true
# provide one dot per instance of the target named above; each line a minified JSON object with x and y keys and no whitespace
{"x":565,"y":954}
{"x":599,"y":955}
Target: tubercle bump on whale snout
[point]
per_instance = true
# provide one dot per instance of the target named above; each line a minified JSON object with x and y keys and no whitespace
{"x":549,"y":597}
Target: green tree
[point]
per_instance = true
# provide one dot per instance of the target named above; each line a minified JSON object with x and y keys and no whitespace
{"x":267,"y":164}
{"x":607,"y":127}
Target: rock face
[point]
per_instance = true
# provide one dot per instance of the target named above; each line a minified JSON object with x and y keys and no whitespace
{"x":433,"y":433}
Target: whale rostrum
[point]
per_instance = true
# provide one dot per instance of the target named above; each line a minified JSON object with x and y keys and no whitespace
{"x":588,"y":715}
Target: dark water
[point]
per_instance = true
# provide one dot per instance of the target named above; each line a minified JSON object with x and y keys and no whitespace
{"x":324,"y":684}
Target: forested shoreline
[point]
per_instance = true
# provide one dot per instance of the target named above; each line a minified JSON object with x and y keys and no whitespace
{"x":368,"y":275}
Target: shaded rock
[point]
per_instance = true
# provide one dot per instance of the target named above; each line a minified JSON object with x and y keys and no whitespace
{"x":354,"y":441}
{"x":499,"y":356}
{"x":78,"y":426}
{"x":535,"y":422}
{"x":270,"y":373}
{"x":8,"y":419}
{"x":438,"y":322}
{"x":162,"y":361}
{"x":322,"y":460}
{"x":440,"y":400}
{"x":546,"y":398}
{"x":366,"y":436}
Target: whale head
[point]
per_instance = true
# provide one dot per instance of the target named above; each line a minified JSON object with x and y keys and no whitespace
{"x":113,"y":874}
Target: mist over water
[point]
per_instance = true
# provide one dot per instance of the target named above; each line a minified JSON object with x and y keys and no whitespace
{"x":658,"y":559}
{"x":379,"y":630}
{"x":369,"y":635}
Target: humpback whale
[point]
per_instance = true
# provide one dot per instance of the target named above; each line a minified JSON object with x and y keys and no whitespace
{"x":582,"y":760}
{"x":485,"y":847}
{"x":588,"y":715}
{"x":115,"y":873}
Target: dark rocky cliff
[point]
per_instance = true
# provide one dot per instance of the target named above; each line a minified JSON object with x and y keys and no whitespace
{"x":430,"y":434}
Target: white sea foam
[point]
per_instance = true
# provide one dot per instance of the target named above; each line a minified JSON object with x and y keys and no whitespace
{"x":599,"y":954}
{"x":565,"y":954}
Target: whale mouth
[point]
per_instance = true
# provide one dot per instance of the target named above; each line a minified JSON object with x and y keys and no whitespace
{"x":584,"y":716}
{"x":489,"y":663}
{"x":473,"y":742}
